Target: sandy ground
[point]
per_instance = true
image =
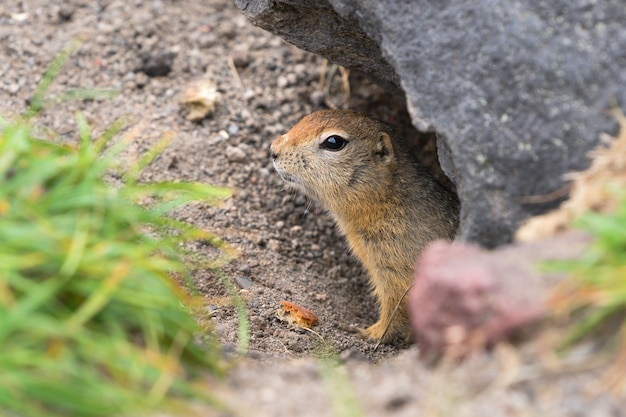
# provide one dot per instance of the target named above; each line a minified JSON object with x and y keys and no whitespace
{"x":148,"y":51}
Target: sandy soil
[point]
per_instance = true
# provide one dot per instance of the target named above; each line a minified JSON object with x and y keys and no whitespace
{"x":289,"y":250}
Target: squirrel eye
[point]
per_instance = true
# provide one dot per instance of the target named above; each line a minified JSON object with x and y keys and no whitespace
{"x":334,"y":143}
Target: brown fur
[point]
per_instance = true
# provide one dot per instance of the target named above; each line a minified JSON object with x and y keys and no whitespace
{"x":386,"y":204}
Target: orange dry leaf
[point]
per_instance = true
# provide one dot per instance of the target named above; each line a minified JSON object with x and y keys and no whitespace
{"x":296,"y":315}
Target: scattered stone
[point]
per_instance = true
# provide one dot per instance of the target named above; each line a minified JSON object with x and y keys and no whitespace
{"x":13,"y":88}
{"x":157,"y":64}
{"x":292,"y":78}
{"x":273,"y":245}
{"x":317,"y":97}
{"x":282,"y":82}
{"x":295,"y":230}
{"x":398,"y":402}
{"x":227,"y":29}
{"x":19,"y":17}
{"x":352,"y":355}
{"x":140,"y":80}
{"x":241,"y":55}
{"x":300,"y":200}
{"x":321,"y":297}
{"x":233,"y":129}
{"x":66,"y":12}
{"x":245,"y":115}
{"x":243,"y":282}
{"x":206,"y":38}
{"x":236,"y":154}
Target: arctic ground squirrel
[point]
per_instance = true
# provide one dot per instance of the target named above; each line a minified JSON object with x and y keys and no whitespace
{"x":384,"y":202}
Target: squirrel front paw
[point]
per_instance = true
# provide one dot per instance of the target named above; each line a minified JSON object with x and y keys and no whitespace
{"x":375,"y":332}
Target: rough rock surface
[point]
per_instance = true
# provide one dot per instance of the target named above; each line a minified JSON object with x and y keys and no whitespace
{"x":517,"y":91}
{"x":493,"y":293}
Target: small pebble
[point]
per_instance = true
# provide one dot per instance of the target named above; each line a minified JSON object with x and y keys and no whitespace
{"x":208,"y":40}
{"x":66,"y":12}
{"x":158,"y":64}
{"x":14,"y":88}
{"x":245,"y":114}
{"x":299,"y":69}
{"x":141,"y":80}
{"x":300,"y":200}
{"x":243,"y":282}
{"x":227,"y":30}
{"x":292,"y":78}
{"x":241,"y":56}
{"x":273,"y":244}
{"x":282,"y":82}
{"x":233,"y":129}
{"x":235,"y":154}
{"x":352,"y":355}
{"x":295,"y":231}
{"x":317,"y":98}
{"x":397,"y":402}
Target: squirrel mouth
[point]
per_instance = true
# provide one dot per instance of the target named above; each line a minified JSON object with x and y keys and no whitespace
{"x":290,"y":179}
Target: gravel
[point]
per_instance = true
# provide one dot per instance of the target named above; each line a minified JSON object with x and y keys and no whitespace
{"x":148,"y":51}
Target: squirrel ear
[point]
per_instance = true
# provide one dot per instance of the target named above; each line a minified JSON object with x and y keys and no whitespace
{"x":384,"y":147}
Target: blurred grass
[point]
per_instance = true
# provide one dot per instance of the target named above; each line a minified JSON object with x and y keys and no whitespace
{"x":339,"y":388}
{"x":92,"y":322}
{"x":596,"y":290}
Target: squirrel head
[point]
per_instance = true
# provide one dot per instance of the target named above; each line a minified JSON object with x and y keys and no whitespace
{"x":335,"y":156}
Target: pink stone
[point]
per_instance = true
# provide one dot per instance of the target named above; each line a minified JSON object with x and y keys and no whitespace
{"x":464,"y":295}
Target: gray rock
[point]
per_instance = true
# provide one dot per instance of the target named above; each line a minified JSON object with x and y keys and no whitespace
{"x":316,"y":27}
{"x":518,"y":91}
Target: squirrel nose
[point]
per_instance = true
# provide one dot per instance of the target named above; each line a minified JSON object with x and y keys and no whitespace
{"x":273,"y":152}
